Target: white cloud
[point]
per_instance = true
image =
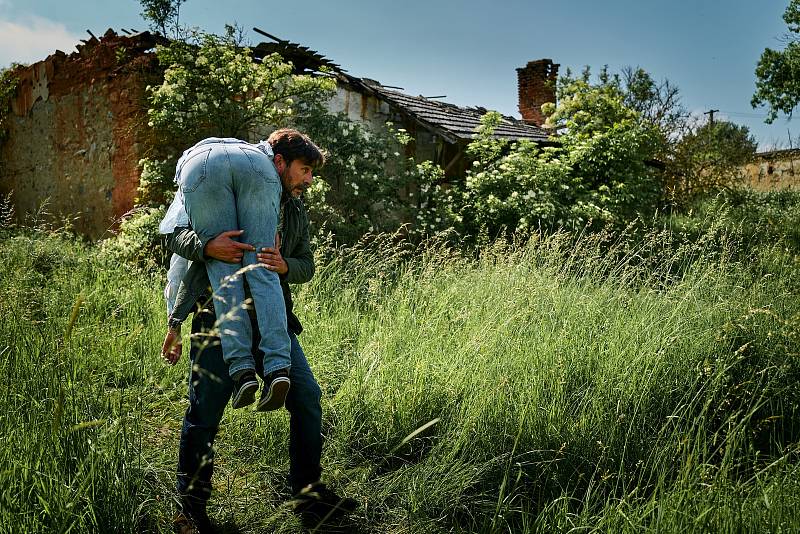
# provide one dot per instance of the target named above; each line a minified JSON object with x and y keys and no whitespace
{"x":33,"y":40}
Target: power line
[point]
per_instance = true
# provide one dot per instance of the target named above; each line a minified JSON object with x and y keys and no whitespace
{"x":746,"y":115}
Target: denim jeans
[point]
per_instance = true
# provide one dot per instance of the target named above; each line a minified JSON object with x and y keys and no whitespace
{"x":210,"y":390}
{"x":232,"y":185}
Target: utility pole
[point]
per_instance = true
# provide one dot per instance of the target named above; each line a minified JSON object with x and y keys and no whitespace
{"x":710,"y":114}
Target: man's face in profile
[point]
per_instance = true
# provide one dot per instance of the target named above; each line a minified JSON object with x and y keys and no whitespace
{"x":295,"y":177}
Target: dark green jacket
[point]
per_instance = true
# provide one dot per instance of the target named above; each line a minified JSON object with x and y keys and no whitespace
{"x":295,"y":248}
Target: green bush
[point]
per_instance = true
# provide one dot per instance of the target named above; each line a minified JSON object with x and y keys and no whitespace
{"x":367,"y":184}
{"x":138,"y":241}
{"x":597,"y":175}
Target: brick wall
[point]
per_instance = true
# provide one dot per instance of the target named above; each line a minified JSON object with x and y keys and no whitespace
{"x":76,"y":133}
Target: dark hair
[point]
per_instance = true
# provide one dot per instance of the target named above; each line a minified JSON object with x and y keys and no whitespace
{"x":293,"y":145}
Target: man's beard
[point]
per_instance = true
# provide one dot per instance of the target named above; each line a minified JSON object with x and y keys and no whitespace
{"x":295,"y":191}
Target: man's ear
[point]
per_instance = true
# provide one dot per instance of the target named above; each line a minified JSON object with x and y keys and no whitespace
{"x":279,"y":162}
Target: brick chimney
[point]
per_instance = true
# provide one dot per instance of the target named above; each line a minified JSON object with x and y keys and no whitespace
{"x":537,"y":86}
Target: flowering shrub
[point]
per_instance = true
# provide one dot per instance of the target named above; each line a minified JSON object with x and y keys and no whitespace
{"x":367,"y":183}
{"x":596,"y":174}
{"x":212,"y":87}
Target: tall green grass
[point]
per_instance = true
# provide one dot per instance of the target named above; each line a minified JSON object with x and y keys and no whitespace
{"x":587,"y":384}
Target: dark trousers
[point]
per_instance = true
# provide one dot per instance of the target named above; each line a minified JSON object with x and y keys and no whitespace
{"x":210,"y":388}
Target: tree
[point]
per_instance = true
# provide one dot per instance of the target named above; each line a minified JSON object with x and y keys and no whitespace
{"x":212,"y":87}
{"x":709,"y":159}
{"x":162,"y":15}
{"x":778,"y":71}
{"x":656,"y":102}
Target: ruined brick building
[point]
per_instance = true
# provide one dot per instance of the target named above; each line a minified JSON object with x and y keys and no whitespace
{"x":76,"y":132}
{"x":77,"y":128}
{"x":773,"y":170}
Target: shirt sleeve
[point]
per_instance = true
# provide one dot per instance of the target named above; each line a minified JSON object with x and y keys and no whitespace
{"x":185,"y":242}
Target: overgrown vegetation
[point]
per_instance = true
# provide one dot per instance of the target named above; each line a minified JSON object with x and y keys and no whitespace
{"x":598,"y":382}
{"x":213,"y":87}
{"x":625,"y":150}
{"x":777,"y":79}
{"x":8,"y":87}
{"x":367,"y":185}
{"x":163,"y":16}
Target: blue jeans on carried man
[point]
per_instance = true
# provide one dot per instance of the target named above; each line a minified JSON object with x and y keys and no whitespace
{"x":229,"y":184}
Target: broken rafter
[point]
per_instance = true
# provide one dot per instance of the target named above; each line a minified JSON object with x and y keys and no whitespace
{"x":265,"y":34}
{"x":294,"y":51}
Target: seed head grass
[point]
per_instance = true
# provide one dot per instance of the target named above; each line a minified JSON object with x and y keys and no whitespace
{"x":599,"y":383}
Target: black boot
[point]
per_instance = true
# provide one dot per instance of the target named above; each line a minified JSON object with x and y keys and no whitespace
{"x":192,"y":518}
{"x":317,"y":505}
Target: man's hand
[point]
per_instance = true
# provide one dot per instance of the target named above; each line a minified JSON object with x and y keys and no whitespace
{"x":172,"y":348}
{"x":271,"y":257}
{"x":224,"y":248}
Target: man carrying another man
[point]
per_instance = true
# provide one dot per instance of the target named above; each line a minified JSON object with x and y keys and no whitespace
{"x":293,"y":157}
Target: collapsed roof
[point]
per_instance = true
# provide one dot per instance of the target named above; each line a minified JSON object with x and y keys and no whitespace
{"x":453,"y":123}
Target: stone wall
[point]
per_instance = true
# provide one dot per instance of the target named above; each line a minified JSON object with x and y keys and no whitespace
{"x":771,"y":171}
{"x":360,"y":107}
{"x":76,"y":133}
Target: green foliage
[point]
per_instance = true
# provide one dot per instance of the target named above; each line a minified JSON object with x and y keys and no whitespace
{"x":658,"y":103}
{"x":366,"y":184}
{"x":758,"y":219}
{"x":138,"y":241}
{"x":156,"y":181}
{"x":708,"y":159}
{"x":8,"y":88}
{"x":214,"y":88}
{"x":777,"y":72}
{"x":75,"y":333}
{"x":597,"y":173}
{"x":699,"y":159}
{"x":548,"y":386}
{"x":163,"y":16}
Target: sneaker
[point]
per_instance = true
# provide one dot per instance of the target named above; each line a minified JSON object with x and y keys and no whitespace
{"x":273,"y":394}
{"x":244,"y":389}
{"x":316,"y":505}
{"x":192,"y":520}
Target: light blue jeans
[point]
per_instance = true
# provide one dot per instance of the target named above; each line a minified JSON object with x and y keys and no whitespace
{"x":228,"y":185}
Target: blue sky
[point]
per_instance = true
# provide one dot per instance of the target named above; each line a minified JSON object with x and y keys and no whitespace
{"x":469,"y":50}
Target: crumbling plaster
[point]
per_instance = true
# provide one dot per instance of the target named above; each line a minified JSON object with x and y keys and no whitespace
{"x":774,"y":171}
{"x":76,"y":136}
